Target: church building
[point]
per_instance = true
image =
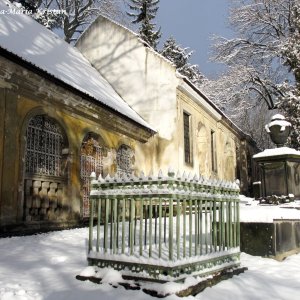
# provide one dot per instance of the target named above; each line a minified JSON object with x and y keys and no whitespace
{"x":110,"y":105}
{"x":193,"y":134}
{"x":59,"y":121}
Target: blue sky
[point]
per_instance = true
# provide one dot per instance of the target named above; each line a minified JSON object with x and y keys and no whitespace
{"x":192,"y":23}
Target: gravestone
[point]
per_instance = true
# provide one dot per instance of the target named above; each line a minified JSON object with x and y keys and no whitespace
{"x":279,"y":167}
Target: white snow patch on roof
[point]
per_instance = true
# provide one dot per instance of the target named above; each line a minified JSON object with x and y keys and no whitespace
{"x":277,"y":152}
{"x":24,"y":37}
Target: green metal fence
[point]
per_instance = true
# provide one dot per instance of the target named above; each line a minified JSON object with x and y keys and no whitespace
{"x":164,"y":227}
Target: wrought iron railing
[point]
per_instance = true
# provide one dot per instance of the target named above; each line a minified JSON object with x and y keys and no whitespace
{"x":165,"y":227}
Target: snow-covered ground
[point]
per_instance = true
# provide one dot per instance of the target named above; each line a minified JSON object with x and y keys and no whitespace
{"x":44,"y":267}
{"x":251,"y":211}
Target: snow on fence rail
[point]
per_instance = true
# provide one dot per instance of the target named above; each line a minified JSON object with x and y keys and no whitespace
{"x":164,"y":227}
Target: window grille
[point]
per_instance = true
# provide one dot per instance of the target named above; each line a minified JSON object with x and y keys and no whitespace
{"x":91,"y":160}
{"x":124,"y":161}
{"x":44,"y":147}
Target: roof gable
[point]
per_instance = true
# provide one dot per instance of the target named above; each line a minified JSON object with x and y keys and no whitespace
{"x":131,"y":33}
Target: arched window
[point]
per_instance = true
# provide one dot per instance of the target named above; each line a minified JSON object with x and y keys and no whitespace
{"x":125,"y":160}
{"x":44,"y":144}
{"x":91,"y":160}
{"x":46,"y":169}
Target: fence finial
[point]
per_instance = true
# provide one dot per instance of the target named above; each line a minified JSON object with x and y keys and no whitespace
{"x":100,"y":178}
{"x":132,"y":177}
{"x":150,"y":176}
{"x":194,"y":214}
{"x":201,"y":179}
{"x":124,"y":177}
{"x":160,"y":174}
{"x":142,"y":176}
{"x":171,"y":172}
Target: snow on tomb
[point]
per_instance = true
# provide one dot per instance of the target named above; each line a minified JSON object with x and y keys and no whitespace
{"x":279,"y":183}
{"x":164,"y":228}
{"x":279,"y":167}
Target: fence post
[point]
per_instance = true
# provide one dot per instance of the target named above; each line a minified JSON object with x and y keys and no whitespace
{"x":170,"y":228}
{"x":91,"y":223}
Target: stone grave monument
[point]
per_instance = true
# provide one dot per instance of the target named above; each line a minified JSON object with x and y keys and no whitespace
{"x":279,"y":167}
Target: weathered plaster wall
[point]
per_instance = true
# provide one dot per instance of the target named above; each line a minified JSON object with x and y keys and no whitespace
{"x":142,"y":77}
{"x":9,"y":166}
{"x":150,"y":85}
{"x":203,"y":121}
{"x":145,"y":80}
{"x":24,"y":95}
{"x":2,"y":122}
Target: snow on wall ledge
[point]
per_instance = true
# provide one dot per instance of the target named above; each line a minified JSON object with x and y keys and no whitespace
{"x":267,"y":213}
{"x":277,"y":152}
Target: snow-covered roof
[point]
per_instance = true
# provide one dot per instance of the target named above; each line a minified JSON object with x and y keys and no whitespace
{"x":35,"y":44}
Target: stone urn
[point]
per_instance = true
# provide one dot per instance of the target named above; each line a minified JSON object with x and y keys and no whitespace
{"x":280,"y":167}
{"x":279,"y":130}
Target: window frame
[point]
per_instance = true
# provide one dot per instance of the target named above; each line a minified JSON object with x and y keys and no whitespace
{"x":187,"y":138}
{"x":213,"y":151}
{"x":45,"y":141}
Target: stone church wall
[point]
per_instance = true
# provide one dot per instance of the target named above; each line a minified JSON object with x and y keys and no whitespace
{"x":41,"y":201}
{"x":150,"y":85}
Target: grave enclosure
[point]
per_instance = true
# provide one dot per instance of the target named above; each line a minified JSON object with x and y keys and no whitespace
{"x":164,"y":228}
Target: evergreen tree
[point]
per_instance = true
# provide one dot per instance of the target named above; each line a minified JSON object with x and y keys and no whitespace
{"x":180,"y":58}
{"x":143,"y":12}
